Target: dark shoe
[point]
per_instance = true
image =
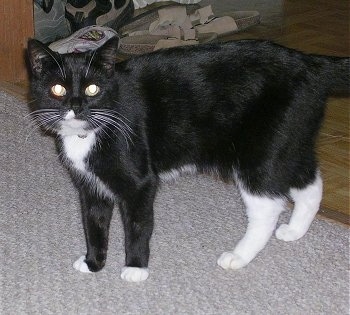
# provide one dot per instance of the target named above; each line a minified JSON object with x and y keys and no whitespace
{"x":111,"y":13}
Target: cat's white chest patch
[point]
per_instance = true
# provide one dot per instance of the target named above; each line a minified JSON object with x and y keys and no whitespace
{"x":77,"y":149}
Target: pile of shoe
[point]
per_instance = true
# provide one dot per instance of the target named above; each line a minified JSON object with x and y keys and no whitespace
{"x":92,"y":22}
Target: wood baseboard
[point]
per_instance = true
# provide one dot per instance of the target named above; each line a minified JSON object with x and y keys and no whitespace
{"x":335,"y":216}
{"x":19,"y":90}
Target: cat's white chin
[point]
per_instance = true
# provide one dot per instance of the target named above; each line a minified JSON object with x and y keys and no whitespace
{"x":73,"y":127}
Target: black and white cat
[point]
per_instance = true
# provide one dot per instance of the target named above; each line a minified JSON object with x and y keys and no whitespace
{"x":248,"y":110}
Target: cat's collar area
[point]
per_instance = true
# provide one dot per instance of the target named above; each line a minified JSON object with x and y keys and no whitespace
{"x":78,"y":134}
{"x":80,"y":137}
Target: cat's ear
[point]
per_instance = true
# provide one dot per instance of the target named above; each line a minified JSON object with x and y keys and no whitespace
{"x":38,"y":56}
{"x":108,"y":55}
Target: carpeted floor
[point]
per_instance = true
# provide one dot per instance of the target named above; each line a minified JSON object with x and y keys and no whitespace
{"x":197,"y":218}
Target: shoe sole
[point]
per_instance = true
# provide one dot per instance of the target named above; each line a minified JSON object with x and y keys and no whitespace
{"x":142,"y":3}
{"x":142,"y":44}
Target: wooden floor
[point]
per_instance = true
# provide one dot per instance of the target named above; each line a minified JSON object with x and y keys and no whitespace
{"x":314,"y":26}
{"x":322,"y":27}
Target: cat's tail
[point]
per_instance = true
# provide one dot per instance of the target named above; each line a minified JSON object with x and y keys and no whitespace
{"x":336,"y":72}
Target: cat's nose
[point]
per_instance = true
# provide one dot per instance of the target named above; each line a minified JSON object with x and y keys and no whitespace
{"x":76,"y":104}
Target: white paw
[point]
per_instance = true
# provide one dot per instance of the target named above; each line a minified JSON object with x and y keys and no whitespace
{"x":287,"y":234}
{"x":229,"y":260}
{"x":81,"y":265}
{"x":134,"y":274}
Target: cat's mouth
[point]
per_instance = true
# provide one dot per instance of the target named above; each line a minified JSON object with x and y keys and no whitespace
{"x":66,"y":123}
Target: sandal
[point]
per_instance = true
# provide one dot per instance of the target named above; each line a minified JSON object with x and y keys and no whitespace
{"x":143,"y":21}
{"x":141,"y":44}
{"x":205,"y":21}
{"x":169,"y":21}
{"x":172,"y":28}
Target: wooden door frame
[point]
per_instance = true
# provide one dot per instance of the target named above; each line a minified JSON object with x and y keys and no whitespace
{"x":16,"y":25}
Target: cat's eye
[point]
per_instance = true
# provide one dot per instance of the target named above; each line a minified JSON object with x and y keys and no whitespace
{"x":58,"y":90}
{"x":92,"y":90}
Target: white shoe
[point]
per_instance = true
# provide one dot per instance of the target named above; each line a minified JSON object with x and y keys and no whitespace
{"x":87,"y":38}
{"x":142,"y":3}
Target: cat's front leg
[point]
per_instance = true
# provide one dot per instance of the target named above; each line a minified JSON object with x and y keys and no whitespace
{"x":137,"y":216}
{"x":96,"y":217}
{"x":263,"y":213}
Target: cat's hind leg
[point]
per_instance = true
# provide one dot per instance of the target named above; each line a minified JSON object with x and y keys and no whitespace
{"x":263,"y":213}
{"x":306,"y":204}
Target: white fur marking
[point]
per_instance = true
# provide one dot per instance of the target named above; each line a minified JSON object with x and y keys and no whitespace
{"x":134,"y":274}
{"x":70,"y":115}
{"x":81,"y":265}
{"x":229,"y":260}
{"x":263,"y":213}
{"x":71,"y":126}
{"x":174,"y":174}
{"x":307,"y":203}
{"x":77,"y":150}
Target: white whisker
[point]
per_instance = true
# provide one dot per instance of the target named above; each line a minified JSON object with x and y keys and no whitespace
{"x":113,"y":111}
{"x":97,"y":125}
{"x":64,"y":70}
{"x":107,"y":123}
{"x":90,"y":62}
{"x":115,"y":124}
{"x":113,"y":117}
{"x":40,"y":112}
{"x":59,"y":66}
{"x":43,"y":118}
{"x":46,"y":122}
{"x":111,"y":125}
{"x":32,"y":101}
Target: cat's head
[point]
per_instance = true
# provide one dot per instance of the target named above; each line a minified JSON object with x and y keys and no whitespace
{"x":70,"y":91}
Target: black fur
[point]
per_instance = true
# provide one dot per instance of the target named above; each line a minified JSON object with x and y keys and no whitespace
{"x":250,"y":110}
